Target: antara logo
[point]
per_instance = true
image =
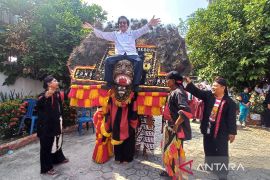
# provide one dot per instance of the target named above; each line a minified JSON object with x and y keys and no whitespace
{"x":220,"y":167}
{"x":211,"y":167}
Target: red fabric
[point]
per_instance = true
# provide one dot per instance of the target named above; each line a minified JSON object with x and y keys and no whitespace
{"x":199,"y":109}
{"x":80,"y":86}
{"x":219,"y":118}
{"x":161,"y":94}
{"x":147,"y":110}
{"x":155,"y":101}
{"x":181,"y":134}
{"x":124,"y":124}
{"x":52,"y":100}
{"x":113,"y":111}
{"x":135,"y":106}
{"x":86,"y":94}
{"x":140,"y":100}
{"x":134,"y":124}
{"x":192,"y":105}
{"x":94,"y":86}
{"x":187,"y":114}
{"x":72,"y":92}
{"x":80,"y":102}
{"x":124,"y":120}
{"x":62,"y":95}
{"x":95,"y":102}
{"x":98,"y":117}
{"x":166,"y":113}
{"x":103,"y":92}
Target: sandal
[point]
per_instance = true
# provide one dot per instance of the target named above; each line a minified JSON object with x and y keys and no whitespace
{"x":51,"y":172}
{"x":164,"y":174}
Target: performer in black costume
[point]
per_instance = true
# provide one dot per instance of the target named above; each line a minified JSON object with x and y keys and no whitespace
{"x":49,"y":128}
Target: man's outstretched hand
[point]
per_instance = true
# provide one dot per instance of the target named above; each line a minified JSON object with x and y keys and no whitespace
{"x":154,"y":22}
{"x":87,"y":25}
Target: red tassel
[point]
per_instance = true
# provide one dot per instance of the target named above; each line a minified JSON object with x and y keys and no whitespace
{"x":155,"y":101}
{"x":86,"y":93}
{"x":72,"y":93}
{"x":140,"y":100}
{"x":81,"y":102}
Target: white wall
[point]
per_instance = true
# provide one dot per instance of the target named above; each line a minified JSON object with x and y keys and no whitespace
{"x":25,"y":85}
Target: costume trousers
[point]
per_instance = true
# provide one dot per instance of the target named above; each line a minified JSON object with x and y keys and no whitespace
{"x":125,"y":151}
{"x":47,"y":158}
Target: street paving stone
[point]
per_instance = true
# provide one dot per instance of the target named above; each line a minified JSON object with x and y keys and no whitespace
{"x":251,"y":149}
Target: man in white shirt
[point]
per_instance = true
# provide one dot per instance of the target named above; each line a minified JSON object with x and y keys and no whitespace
{"x":125,"y":46}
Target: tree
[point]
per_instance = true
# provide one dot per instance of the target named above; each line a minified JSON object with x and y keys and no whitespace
{"x":46,"y":35}
{"x":231,"y":39}
{"x":183,"y":27}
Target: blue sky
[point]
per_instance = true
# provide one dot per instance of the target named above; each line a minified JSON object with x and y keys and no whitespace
{"x":169,"y":11}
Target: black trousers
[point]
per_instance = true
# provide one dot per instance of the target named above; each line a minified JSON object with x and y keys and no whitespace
{"x":216,"y":155}
{"x":266,"y":118}
{"x":125,"y":151}
{"x":47,"y":159}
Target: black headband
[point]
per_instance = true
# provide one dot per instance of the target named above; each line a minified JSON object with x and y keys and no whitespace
{"x":175,"y":76}
{"x":221,"y":81}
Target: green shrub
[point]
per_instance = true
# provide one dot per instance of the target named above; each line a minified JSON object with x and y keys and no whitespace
{"x":10,"y":114}
{"x":69,"y":114}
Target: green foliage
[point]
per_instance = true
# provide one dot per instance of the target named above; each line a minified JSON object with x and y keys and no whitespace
{"x":183,"y":27}
{"x":231,"y":39}
{"x":45,"y":35}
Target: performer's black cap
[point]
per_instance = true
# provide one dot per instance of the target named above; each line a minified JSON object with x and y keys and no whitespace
{"x":221,"y":81}
{"x":174,"y":75}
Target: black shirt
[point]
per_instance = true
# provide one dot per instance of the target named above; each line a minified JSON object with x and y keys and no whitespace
{"x":177,"y":101}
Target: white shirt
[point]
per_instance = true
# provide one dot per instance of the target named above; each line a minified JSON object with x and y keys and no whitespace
{"x":124,"y":42}
{"x":258,"y":90}
{"x":266,"y":88}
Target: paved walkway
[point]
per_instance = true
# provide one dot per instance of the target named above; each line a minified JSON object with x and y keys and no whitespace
{"x":250,"y":150}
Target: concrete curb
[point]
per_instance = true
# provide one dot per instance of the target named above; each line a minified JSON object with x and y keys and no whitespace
{"x":4,"y":148}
